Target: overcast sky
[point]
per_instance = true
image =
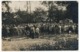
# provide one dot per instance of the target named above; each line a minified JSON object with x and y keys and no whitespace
{"x":22,"y":5}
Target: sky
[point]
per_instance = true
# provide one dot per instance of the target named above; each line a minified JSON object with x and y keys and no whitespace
{"x":22,"y":5}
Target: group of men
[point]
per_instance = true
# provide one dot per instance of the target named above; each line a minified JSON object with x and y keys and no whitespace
{"x":20,"y":30}
{"x":34,"y":31}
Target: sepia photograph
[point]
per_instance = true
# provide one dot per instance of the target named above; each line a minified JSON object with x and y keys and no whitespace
{"x":39,"y":25}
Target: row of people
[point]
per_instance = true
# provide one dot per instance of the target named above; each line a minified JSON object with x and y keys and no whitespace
{"x":35,"y":30}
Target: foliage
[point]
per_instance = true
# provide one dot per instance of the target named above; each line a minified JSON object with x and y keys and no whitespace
{"x":39,"y":15}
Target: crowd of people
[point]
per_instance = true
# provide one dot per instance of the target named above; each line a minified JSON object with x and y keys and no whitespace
{"x":35,"y":30}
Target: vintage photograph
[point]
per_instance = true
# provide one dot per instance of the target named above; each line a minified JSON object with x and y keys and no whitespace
{"x":39,"y":25}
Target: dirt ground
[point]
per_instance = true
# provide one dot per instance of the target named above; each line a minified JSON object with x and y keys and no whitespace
{"x":15,"y":44}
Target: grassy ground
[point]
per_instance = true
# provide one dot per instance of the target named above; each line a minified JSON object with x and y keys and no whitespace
{"x":46,"y":42}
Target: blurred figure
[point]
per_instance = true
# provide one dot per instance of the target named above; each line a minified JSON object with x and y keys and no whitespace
{"x":7,"y":28}
{"x":4,"y":31}
{"x":53,"y":29}
{"x":27,"y":28}
{"x":11,"y":31}
{"x":37,"y":30}
{"x":50,"y":29}
{"x":15,"y":30}
{"x":76,"y":29}
{"x":42,"y":28}
{"x":70,"y":30}
{"x":56,"y":30}
{"x":60,"y":29}
{"x":32,"y":31}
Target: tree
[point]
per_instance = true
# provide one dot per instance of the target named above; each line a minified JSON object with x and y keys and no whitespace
{"x":6,"y":4}
{"x":28,"y":4}
{"x":39,"y":15}
{"x":72,"y":9}
{"x":52,"y":10}
{"x":7,"y":16}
